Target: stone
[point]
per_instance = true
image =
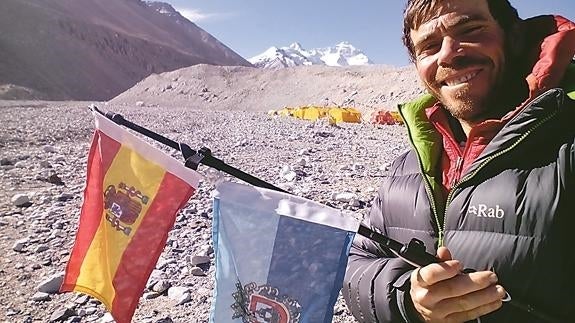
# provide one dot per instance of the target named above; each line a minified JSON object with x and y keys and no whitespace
{"x":6,"y":162}
{"x":184,"y":299}
{"x":107,"y":318}
{"x":19,"y":245}
{"x":198,"y":260}
{"x":21,"y":200}
{"x":161,"y":286}
{"x":54,"y":179}
{"x":41,"y":248}
{"x":49,"y":149}
{"x":355,"y":202}
{"x":82,"y":299}
{"x":176,"y":293}
{"x":65,"y":197}
{"x":197,"y":271}
{"x":151,"y":295}
{"x":41,"y":297}
{"x":344,"y":197}
{"x":206,"y":250}
{"x":289,"y":175}
{"x":11,"y":312}
{"x":61,"y":314}
{"x":91,"y":310}
{"x":162,"y":263}
{"x":52,"y":284}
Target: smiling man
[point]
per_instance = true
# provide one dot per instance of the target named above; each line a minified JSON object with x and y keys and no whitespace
{"x":490,"y":181}
{"x":460,"y":58}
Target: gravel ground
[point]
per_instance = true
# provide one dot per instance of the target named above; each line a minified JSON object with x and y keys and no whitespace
{"x":43,"y":152}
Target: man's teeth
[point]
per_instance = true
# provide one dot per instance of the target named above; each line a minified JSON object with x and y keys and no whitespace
{"x":460,"y":80}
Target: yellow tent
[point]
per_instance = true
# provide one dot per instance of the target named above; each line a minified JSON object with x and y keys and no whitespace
{"x":396,"y":116}
{"x":345,"y":115}
{"x":285,"y":112}
{"x":309,"y":113}
{"x":313,"y":113}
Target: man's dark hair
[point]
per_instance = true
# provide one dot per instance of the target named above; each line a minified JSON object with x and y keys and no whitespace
{"x":418,"y":11}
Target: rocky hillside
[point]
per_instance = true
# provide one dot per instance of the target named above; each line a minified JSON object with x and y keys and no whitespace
{"x":246,"y":88}
{"x":94,"y":50}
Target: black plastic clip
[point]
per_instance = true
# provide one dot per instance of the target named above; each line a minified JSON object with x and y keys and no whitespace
{"x":414,"y":252}
{"x":194,"y":161}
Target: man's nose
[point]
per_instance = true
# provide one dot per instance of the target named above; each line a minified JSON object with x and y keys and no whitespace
{"x":450,"y":49}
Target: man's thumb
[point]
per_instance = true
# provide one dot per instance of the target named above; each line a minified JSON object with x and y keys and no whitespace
{"x":443,"y":254}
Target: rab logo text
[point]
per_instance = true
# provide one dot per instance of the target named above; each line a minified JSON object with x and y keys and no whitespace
{"x":483,"y":211}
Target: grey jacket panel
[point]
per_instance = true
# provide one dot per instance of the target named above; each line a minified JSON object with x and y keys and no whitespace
{"x":511,"y":213}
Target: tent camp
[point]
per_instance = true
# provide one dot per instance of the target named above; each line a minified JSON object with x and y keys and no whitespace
{"x":313,"y":113}
{"x":386,"y":117}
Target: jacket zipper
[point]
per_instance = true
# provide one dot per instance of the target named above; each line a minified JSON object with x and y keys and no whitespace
{"x":427,"y":184}
{"x":458,"y":165}
{"x":471,"y":175}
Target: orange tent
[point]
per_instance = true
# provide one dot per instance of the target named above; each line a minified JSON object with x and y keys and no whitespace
{"x":386,"y":117}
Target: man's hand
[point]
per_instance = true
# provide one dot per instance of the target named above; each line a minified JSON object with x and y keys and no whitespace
{"x":441,"y":293}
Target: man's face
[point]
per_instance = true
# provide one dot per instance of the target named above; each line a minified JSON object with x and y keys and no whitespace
{"x":460,"y":57}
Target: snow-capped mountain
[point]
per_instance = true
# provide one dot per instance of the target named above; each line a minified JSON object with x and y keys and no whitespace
{"x":342,"y":54}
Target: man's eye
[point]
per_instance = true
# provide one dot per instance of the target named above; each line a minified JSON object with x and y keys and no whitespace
{"x":471,"y":30}
{"x":429,"y":48}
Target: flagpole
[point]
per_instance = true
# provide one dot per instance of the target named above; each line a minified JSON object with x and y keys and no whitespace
{"x":413,"y":252}
{"x":192,"y":157}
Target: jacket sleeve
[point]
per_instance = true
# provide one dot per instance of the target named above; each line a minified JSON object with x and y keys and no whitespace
{"x":376,"y":285}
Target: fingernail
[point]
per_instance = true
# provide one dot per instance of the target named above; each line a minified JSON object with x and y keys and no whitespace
{"x":493,"y":278}
{"x":500,"y":291}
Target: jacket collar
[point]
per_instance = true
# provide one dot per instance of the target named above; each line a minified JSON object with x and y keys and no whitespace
{"x":554,"y":39}
{"x":530,"y":118}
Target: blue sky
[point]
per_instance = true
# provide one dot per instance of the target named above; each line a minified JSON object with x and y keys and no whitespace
{"x":249,"y":27}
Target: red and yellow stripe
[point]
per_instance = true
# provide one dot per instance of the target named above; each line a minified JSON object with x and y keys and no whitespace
{"x":105,"y":262}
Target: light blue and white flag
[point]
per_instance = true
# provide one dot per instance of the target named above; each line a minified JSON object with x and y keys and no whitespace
{"x":279,"y":258}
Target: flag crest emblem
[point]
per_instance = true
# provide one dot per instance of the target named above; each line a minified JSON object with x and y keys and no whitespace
{"x":123,"y":206}
{"x":264,"y":304}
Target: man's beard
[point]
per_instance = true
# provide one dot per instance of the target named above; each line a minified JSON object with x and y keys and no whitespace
{"x":507,"y":92}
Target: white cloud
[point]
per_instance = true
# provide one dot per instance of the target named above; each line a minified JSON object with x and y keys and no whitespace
{"x":195,"y":15}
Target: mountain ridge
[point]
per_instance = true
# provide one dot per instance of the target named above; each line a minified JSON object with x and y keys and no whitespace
{"x":342,"y":54}
{"x":94,"y":50}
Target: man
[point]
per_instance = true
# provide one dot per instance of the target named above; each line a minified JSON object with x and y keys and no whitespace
{"x":490,"y":182}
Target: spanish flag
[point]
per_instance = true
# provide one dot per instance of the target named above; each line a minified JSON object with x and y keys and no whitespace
{"x":132,"y":195}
